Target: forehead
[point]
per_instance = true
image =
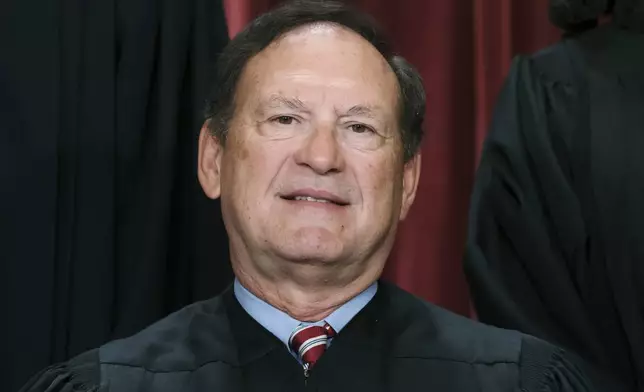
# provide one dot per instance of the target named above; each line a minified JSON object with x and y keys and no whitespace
{"x":322,"y":62}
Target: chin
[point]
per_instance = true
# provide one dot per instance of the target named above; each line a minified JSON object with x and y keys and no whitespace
{"x":311,"y":245}
{"x":310,"y":256}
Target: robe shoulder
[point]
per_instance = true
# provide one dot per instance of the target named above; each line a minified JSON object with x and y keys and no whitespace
{"x":80,"y":374}
{"x":196,"y":344}
{"x":497,"y":356}
{"x":184,"y":341}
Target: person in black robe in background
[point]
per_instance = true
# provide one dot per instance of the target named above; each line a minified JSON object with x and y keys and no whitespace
{"x":312,"y":142}
{"x":556,"y":238}
{"x":103,"y":226}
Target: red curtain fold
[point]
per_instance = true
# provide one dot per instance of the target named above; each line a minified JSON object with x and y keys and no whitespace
{"x":463,"y":49}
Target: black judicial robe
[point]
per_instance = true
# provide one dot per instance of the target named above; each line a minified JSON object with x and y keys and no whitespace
{"x":103,"y":226}
{"x":396,"y":343}
{"x":556,"y":230}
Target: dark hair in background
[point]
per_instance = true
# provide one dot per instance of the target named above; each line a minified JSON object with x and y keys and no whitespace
{"x":579,"y":15}
{"x":269,"y":27}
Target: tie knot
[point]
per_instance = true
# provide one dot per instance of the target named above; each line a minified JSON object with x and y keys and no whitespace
{"x":309,"y":342}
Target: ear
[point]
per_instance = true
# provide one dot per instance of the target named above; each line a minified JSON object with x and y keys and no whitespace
{"x":411,"y":177}
{"x":209,"y":162}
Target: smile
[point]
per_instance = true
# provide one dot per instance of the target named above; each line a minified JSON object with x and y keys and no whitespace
{"x":315,"y":196}
{"x":307,"y":198}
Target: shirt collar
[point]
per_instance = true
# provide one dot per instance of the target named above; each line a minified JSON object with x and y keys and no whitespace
{"x":282,"y":325}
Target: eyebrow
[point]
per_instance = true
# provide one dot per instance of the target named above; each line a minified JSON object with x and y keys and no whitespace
{"x":277,"y":100}
{"x":362,"y":110}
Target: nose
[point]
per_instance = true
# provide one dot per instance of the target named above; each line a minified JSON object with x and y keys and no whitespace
{"x":321,"y":152}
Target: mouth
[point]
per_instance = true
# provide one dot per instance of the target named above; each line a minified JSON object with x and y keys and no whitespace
{"x":315,"y":197}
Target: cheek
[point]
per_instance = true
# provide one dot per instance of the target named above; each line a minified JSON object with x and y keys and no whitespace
{"x":382,"y":184}
{"x":385,"y":171}
{"x":250,"y":169}
{"x":237,"y":164}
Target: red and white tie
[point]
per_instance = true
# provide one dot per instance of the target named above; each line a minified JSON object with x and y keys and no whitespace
{"x":309,"y":342}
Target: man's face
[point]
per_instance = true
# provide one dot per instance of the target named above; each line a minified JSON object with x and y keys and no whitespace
{"x":312,"y":172}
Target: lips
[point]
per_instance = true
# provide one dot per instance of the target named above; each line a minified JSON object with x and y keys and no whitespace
{"x":317,"y":196}
{"x":307,"y":198}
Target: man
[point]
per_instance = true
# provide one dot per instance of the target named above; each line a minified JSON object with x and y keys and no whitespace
{"x":312,"y":143}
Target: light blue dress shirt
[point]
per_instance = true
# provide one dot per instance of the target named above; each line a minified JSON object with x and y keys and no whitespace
{"x":282,"y":325}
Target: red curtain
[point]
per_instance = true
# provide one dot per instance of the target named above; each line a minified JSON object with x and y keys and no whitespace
{"x":463,"y":50}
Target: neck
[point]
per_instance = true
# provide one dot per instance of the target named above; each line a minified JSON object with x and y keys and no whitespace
{"x":306,"y":300}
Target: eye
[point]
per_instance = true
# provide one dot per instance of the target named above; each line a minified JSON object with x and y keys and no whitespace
{"x":284,"y":120}
{"x":360,"y":128}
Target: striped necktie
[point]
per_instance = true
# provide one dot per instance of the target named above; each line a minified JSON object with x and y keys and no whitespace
{"x":309,"y":342}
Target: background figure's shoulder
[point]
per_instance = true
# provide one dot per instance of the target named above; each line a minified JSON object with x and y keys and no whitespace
{"x":182,"y":341}
{"x":558,"y":65}
{"x":605,"y":53}
{"x":79,"y":374}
